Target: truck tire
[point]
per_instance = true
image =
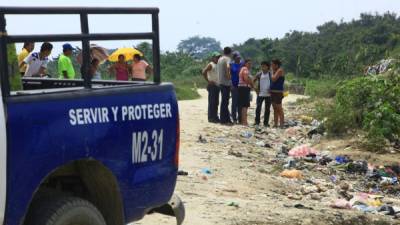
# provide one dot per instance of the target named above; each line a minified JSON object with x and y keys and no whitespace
{"x":66,"y":211}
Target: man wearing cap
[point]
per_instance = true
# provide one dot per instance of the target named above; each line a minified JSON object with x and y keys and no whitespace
{"x":225,"y":83}
{"x":36,"y":62}
{"x":28,"y":48}
{"x":210,"y":74}
{"x":65,"y":67}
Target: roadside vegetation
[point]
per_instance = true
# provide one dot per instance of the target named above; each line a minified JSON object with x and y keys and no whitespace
{"x":327,"y":65}
{"x":369,"y":104}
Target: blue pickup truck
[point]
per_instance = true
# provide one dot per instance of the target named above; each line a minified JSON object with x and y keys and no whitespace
{"x":83,"y":152}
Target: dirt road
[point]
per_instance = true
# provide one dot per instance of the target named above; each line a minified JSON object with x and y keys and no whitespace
{"x":233,"y":181}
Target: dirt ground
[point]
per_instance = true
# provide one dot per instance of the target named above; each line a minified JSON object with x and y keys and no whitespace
{"x":232,"y":181}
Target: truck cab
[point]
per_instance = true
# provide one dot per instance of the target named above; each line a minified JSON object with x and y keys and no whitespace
{"x":86,"y":152}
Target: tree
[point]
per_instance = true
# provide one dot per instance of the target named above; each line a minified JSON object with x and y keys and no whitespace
{"x":199,"y":47}
{"x":147,"y":50}
{"x":337,"y":49}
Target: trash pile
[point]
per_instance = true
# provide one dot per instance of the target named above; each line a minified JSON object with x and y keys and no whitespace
{"x":381,"y":67}
{"x":339,"y":181}
{"x":358,"y":183}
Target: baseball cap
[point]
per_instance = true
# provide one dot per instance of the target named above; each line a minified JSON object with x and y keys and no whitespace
{"x":67,"y":46}
{"x":215,"y":54}
{"x":236,"y":54}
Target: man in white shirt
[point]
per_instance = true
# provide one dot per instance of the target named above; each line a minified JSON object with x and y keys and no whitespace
{"x":263,"y":93}
{"x":210,"y":74}
{"x":37,"y":61}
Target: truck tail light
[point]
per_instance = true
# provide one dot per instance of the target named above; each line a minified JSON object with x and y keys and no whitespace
{"x":177,"y":143}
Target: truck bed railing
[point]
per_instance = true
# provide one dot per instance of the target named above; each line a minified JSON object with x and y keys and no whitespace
{"x":85,"y":37}
{"x":52,"y":83}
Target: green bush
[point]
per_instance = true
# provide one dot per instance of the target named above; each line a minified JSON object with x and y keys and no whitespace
{"x":371,"y":104}
{"x":15,"y":78}
{"x":186,"y":92}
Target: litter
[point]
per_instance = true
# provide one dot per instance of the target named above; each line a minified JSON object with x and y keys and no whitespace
{"x":182,"y":173}
{"x":260,"y":143}
{"x":202,"y":140}
{"x":301,"y":206}
{"x":316,"y":138}
{"x":206,"y":171}
{"x":306,"y":119}
{"x":292,"y":174}
{"x":366,"y":199}
{"x":302,"y":151}
{"x":341,"y":204}
{"x":234,"y":204}
{"x":342,"y":159}
{"x":291,"y":163}
{"x":292,"y":131}
{"x":235,"y":153}
{"x":231,"y":190}
{"x":365,"y":208}
{"x":360,"y":167}
{"x":387,"y":210}
{"x":247,"y":134}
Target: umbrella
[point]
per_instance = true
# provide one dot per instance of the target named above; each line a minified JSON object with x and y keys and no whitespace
{"x":97,"y":52}
{"x":127,"y":52}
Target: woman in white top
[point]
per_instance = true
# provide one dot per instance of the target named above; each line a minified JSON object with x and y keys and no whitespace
{"x":210,"y":74}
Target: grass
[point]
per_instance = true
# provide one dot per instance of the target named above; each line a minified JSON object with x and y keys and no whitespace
{"x":186,"y":92}
{"x":322,"y":87}
{"x":186,"y":87}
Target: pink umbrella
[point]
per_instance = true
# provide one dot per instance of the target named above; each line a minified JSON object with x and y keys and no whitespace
{"x":97,"y":52}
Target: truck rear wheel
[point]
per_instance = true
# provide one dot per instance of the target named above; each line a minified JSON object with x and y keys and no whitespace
{"x":66,"y":211}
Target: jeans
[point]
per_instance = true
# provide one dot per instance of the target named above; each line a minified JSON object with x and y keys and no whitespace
{"x":234,"y":106}
{"x":260,"y":101}
{"x":224,"y":114}
{"x":213,"y":102}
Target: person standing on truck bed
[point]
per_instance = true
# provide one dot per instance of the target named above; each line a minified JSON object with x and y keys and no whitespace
{"x":28,"y":48}
{"x":93,"y":70}
{"x":224,"y":81}
{"x":139,"y":68}
{"x":36,"y":62}
{"x":210,"y":74}
{"x":65,"y":67}
{"x":121,"y":69}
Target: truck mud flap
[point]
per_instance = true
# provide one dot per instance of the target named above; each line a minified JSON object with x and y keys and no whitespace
{"x":173,"y":208}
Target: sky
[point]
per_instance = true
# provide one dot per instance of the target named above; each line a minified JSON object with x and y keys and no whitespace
{"x":229,"y":21}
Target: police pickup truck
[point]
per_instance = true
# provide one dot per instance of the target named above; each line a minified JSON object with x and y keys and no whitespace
{"x":83,"y":152}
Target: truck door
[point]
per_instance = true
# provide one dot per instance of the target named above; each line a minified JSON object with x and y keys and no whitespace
{"x":3,"y":161}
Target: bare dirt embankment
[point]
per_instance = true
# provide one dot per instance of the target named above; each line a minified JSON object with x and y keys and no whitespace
{"x":243,"y":185}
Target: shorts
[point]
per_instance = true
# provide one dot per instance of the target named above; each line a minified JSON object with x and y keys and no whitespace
{"x":244,"y":97}
{"x":276,"y":98}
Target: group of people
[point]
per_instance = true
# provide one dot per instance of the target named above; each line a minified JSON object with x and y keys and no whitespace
{"x":34,"y":64}
{"x":228,"y":75}
{"x":136,"y":71}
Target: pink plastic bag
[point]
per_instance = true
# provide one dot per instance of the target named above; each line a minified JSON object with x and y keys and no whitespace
{"x":341,"y":204}
{"x":302,"y":151}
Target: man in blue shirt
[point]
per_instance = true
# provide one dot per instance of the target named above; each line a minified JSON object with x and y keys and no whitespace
{"x":235,"y":67}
